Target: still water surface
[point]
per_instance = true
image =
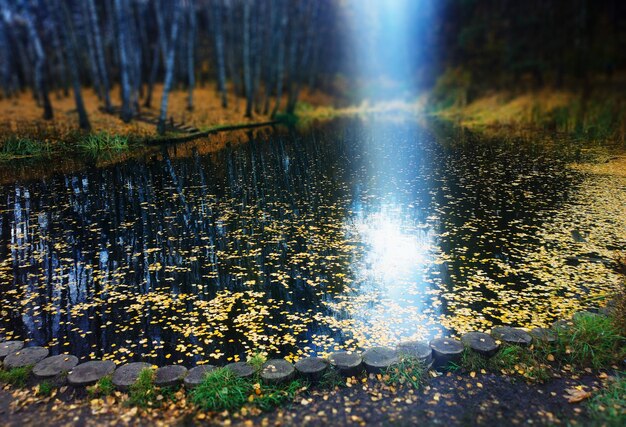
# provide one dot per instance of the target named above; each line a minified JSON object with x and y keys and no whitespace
{"x":341,"y":236}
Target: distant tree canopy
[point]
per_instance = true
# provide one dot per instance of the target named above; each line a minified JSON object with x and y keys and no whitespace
{"x":549,"y":40}
{"x":496,"y":42}
{"x":262,"y":49}
{"x":267,"y":50}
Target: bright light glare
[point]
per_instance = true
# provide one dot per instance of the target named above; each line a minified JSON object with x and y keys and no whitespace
{"x":380,"y":42}
{"x":397,"y":253}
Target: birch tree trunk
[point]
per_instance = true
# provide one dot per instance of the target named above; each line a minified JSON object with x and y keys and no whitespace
{"x":169,"y":68}
{"x":122,"y":35}
{"x":191,"y":34}
{"x":40,"y":64}
{"x":218,"y":37}
{"x":280,"y":59}
{"x":308,"y":20}
{"x":247,"y":71}
{"x":64,"y":21}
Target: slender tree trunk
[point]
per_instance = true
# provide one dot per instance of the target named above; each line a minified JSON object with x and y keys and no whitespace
{"x":65,"y":26}
{"x":61,"y":69}
{"x":133,"y":45}
{"x":160,"y":50}
{"x":231,"y":57}
{"x":26,"y":63}
{"x":153,"y":75}
{"x":257,"y":43}
{"x":218,"y":36}
{"x":269,"y":78}
{"x":122,"y":35}
{"x":292,"y":69}
{"x":280,"y":59}
{"x":161,"y":27}
{"x":144,"y":40}
{"x":5,"y":61}
{"x":169,"y":69}
{"x":97,"y":38}
{"x":311,"y":18}
{"x":91,"y":51}
{"x":247,"y":72}
{"x":316,"y":43}
{"x":40,"y":65}
{"x":191,"y":33}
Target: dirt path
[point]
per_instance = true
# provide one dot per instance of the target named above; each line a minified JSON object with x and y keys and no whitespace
{"x":448,"y":400}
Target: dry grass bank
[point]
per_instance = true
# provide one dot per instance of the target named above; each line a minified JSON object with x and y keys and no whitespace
{"x":21,"y":117}
{"x":599,"y":115}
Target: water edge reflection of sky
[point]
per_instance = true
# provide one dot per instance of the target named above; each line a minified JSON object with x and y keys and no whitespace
{"x":344,"y":236}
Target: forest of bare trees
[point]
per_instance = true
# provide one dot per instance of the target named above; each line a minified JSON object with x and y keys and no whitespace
{"x":262,"y":50}
{"x":266,"y":51}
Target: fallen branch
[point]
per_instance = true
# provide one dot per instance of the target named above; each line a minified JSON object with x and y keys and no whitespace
{"x":196,"y":135}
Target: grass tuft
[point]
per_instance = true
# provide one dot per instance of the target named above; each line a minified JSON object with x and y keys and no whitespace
{"x":472,"y":361}
{"x":408,"y":371}
{"x":15,"y":147}
{"x":102,"y":141}
{"x":272,"y":396}
{"x":523,"y":361}
{"x":143,"y":392}
{"x":529,"y":363}
{"x":591,"y":341}
{"x":608,"y":406}
{"x":257,"y":360}
{"x":331,"y":379}
{"x":45,"y":389}
{"x":288,"y":119}
{"x":618,"y":316}
{"x":104,"y":387}
{"x":16,"y":376}
{"x":221,"y":390}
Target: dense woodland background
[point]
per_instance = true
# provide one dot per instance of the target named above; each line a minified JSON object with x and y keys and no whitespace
{"x":266,"y":51}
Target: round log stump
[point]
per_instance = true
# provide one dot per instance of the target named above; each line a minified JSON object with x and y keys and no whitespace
{"x":54,"y":366}
{"x":481,"y":343}
{"x":25,"y":357}
{"x":446,"y":350}
{"x":241,"y":369}
{"x":562,"y":324}
{"x":347,"y":364}
{"x":377,"y":359}
{"x":196,"y":375}
{"x":8,"y":347}
{"x":169,"y":375}
{"x":91,"y":372}
{"x":511,"y":335}
{"x":312,"y":368}
{"x":277,"y":371}
{"x":417,"y":349}
{"x":543,"y":335}
{"x":127,"y":374}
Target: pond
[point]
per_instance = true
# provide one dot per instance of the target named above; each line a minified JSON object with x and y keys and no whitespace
{"x":343,"y":235}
